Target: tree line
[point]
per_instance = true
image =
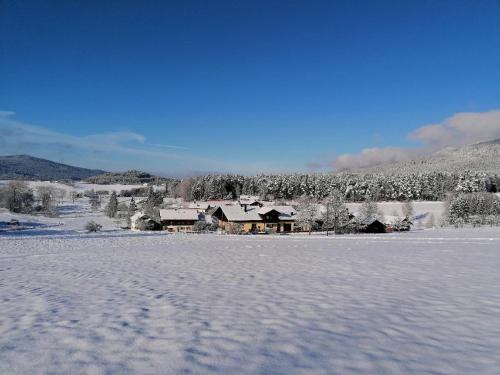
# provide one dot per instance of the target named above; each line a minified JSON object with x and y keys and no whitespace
{"x":432,"y":186}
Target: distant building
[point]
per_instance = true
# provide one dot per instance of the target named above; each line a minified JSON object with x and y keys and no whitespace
{"x":397,"y":224}
{"x":371,"y":225}
{"x":255,"y":219}
{"x":250,"y":201}
{"x":141,"y":221}
{"x":201,"y":206}
{"x":180,"y":220}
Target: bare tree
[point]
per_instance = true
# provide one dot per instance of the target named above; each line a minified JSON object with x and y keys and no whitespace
{"x":431,"y":222}
{"x":369,"y":209}
{"x":47,"y":197}
{"x":183,"y":189}
{"x":73,"y":195}
{"x":408,"y":210}
{"x":94,"y":200}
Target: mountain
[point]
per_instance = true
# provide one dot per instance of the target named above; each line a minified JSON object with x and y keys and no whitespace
{"x":30,"y":168}
{"x":478,"y":157}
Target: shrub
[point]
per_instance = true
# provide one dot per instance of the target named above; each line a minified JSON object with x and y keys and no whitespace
{"x":235,"y":228}
{"x":17,"y":197}
{"x":92,"y":226}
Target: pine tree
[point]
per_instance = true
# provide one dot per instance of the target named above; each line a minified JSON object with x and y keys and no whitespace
{"x":132,"y":208}
{"x":150,"y":206}
{"x":112,"y":207}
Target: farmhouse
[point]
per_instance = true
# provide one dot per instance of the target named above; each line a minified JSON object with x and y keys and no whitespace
{"x":371,"y":225}
{"x":141,"y":221}
{"x":255,"y":219}
{"x":179,"y":220}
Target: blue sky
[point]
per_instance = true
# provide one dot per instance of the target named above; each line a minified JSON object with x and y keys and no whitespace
{"x":243,"y":86}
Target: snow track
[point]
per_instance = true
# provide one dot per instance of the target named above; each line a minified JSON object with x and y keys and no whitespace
{"x":417,"y":303}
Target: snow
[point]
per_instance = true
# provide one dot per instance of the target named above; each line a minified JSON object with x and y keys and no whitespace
{"x":179,"y":214}
{"x":423,"y":209}
{"x":424,"y":302}
{"x":79,"y":186}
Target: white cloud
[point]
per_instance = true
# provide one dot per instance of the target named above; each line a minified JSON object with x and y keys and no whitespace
{"x":373,"y":156}
{"x":460,"y":129}
{"x":113,"y":150}
{"x":17,"y":137}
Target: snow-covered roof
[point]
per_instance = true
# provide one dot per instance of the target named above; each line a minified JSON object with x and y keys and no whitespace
{"x":179,"y":214}
{"x":391,"y":219}
{"x":369,"y":220}
{"x":249,"y":202}
{"x":138,"y":215}
{"x":287,"y":210}
{"x":200,"y":205}
{"x":237,"y":213}
{"x":221,"y":202}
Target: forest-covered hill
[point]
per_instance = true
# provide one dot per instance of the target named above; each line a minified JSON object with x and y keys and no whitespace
{"x":14,"y":167}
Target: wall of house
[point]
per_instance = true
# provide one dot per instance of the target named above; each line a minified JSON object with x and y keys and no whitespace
{"x":260,"y":226}
{"x":281,"y":225}
{"x":179,"y":228}
{"x":247,"y":227}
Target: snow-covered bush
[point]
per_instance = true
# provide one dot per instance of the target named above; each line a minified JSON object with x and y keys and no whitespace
{"x":402,"y":225}
{"x":235,"y":228}
{"x":17,"y":196}
{"x":92,"y":226}
{"x":201,"y":226}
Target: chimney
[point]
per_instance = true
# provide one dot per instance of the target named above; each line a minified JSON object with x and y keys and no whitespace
{"x":245,"y":206}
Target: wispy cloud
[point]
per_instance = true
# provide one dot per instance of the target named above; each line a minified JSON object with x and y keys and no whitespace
{"x":457,"y":130}
{"x":167,"y":146}
{"x":7,"y":113}
{"x":17,"y":135}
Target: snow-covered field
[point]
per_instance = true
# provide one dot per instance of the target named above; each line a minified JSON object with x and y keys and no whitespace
{"x":79,"y":187}
{"x":423,"y":210}
{"x":424,"y":302}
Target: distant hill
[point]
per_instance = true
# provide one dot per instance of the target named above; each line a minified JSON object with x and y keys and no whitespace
{"x":478,"y":157}
{"x":13,"y":167}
